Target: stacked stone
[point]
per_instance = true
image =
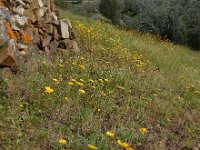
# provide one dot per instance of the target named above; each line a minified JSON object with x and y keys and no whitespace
{"x":28,"y":23}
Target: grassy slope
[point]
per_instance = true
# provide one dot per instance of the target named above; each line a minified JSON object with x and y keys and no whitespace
{"x":131,"y":81}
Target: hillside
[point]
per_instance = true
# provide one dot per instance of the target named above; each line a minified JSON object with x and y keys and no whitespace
{"x":144,"y":90}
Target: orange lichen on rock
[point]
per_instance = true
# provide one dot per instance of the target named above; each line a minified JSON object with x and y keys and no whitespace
{"x":10,"y":31}
{"x":26,"y":37}
{"x":2,"y":5}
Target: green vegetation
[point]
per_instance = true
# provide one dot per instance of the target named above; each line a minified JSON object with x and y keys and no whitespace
{"x":176,"y":20}
{"x":144,"y":90}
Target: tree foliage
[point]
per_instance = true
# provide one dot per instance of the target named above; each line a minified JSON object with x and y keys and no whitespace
{"x":112,"y":9}
{"x":173,"y":19}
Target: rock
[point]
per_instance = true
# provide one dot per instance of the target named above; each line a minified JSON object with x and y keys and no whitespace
{"x":64,"y":29}
{"x":3,"y":34}
{"x":48,"y":28}
{"x":29,"y":14}
{"x":2,"y":5}
{"x":36,"y":36}
{"x":62,"y":52}
{"x":7,"y":56}
{"x":53,"y":46}
{"x":69,"y":44}
{"x":55,"y":33}
{"x":39,"y":13}
{"x":46,"y":41}
{"x":27,"y":23}
{"x":19,"y":10}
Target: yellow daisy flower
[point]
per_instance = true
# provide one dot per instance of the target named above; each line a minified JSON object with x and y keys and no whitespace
{"x":110,"y":134}
{"x":48,"y":89}
{"x":70,"y":83}
{"x":92,"y":81}
{"x":143,"y":130}
{"x":123,"y":144}
{"x":74,"y":80}
{"x":92,"y":147}
{"x":82,"y":91}
{"x":81,"y":66}
{"x":55,"y":80}
{"x":79,"y":83}
{"x":106,"y":80}
{"x":62,"y":141}
{"x":82,"y":80}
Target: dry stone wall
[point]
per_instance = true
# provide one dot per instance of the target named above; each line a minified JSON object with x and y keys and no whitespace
{"x":27,"y":25}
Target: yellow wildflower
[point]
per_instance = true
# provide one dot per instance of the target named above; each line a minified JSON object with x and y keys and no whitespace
{"x":100,"y":80}
{"x":61,"y":65}
{"x":79,"y":83}
{"x":99,"y":110}
{"x":106,"y":80}
{"x":110,"y":134}
{"x":82,"y":58}
{"x":81,"y":66}
{"x":120,"y":87}
{"x":73,"y":80}
{"x":48,"y":89}
{"x":70,"y":83}
{"x":103,"y":93}
{"x":62,"y":141}
{"x":82,"y":91}
{"x":123,"y":144}
{"x":143,"y":130}
{"x":74,"y":63}
{"x":94,"y":87}
{"x":82,"y":80}
{"x":21,"y":105}
{"x":55,"y":80}
{"x":92,"y":146}
{"x":91,"y":80}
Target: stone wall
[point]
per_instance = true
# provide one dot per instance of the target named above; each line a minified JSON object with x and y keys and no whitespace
{"x":29,"y":25}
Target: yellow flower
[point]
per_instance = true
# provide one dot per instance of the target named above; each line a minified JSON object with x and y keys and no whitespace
{"x":110,"y":134}
{"x":73,"y":80}
{"x":21,"y":105}
{"x":55,"y":80}
{"x":82,"y":58}
{"x":82,"y":91}
{"x":143,"y":130}
{"x":79,"y":83}
{"x":82,"y":80}
{"x":74,"y":63}
{"x":123,"y":144}
{"x":81,"y":66}
{"x":106,"y":80}
{"x":100,"y":80}
{"x":61,"y":65}
{"x":70,"y":83}
{"x":94,"y":87}
{"x":120,"y":87}
{"x":98,"y":110}
{"x":91,"y":80}
{"x":62,"y":141}
{"x":103,"y":93}
{"x":92,"y":146}
{"x":48,"y":89}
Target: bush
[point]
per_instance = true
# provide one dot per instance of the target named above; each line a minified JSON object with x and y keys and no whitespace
{"x":176,"y":20}
{"x":188,"y":27}
{"x":112,"y":9}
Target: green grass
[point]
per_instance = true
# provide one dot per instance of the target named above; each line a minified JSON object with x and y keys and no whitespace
{"x":131,"y":81}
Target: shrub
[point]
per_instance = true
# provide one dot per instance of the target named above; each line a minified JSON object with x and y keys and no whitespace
{"x":112,"y":9}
